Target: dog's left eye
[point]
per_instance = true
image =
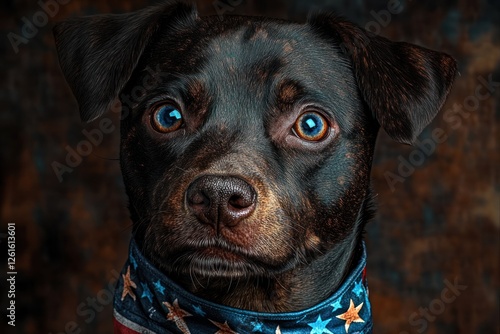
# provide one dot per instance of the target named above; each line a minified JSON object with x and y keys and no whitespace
{"x":311,"y":126}
{"x":167,"y":118}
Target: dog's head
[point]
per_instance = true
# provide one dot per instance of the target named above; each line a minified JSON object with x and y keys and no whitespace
{"x":246,"y":144}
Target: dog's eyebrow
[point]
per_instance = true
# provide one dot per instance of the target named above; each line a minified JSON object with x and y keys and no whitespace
{"x":183,"y":86}
{"x":288,"y":92}
{"x":195,"y":94}
{"x":194,"y":89}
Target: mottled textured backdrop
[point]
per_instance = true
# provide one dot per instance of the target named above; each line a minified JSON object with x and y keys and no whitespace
{"x":438,"y":219}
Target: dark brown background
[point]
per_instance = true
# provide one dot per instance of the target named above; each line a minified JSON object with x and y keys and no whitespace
{"x":441,"y":223}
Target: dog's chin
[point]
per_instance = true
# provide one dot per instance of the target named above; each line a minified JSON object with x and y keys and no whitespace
{"x":214,"y":262}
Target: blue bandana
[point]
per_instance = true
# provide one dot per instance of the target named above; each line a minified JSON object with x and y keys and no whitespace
{"x":146,"y":301}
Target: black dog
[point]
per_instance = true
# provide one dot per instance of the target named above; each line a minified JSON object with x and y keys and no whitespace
{"x":247,"y":166}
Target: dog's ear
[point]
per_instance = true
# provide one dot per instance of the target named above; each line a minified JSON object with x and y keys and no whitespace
{"x":98,"y":53}
{"x":404,"y":85}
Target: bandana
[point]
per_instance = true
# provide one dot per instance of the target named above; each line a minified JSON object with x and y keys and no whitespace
{"x":146,"y":301}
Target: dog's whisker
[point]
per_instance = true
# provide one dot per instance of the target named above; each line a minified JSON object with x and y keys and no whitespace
{"x":182,"y":169}
{"x":229,"y":285}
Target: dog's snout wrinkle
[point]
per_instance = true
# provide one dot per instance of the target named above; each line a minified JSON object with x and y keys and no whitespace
{"x":221,"y":201}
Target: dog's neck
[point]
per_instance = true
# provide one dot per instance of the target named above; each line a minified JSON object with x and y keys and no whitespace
{"x":294,"y":290}
{"x":148,"y":300}
{"x":300,"y":288}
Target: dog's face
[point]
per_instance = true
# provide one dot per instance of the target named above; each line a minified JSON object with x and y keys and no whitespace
{"x":251,"y":154}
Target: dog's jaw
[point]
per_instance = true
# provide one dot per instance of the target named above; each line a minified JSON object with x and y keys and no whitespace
{"x":288,"y":291}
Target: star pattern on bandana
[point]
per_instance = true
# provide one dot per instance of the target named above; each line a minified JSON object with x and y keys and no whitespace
{"x":134,"y":262}
{"x":278,"y":330}
{"x":336,"y":306}
{"x":257,"y":326}
{"x":146,"y":293}
{"x":160,"y":288}
{"x":224,"y":328}
{"x":176,"y":314}
{"x":351,"y":315}
{"x":128,"y":284}
{"x":319,"y":327}
{"x":358,"y":288}
{"x":198,"y":310}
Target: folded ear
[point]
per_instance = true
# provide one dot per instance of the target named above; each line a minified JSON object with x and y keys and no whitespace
{"x":98,"y":53}
{"x":404,"y":85}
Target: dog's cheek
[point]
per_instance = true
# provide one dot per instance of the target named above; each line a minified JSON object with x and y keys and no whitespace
{"x":170,"y":226}
{"x":162,"y":235}
{"x":142,"y":173}
{"x":273,"y":237}
{"x":132,"y":162}
{"x":338,"y":191}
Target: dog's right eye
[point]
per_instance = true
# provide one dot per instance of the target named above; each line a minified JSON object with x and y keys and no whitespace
{"x":311,"y":126}
{"x":167,"y":118}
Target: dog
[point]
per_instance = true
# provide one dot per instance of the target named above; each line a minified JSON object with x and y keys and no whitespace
{"x":247,"y":163}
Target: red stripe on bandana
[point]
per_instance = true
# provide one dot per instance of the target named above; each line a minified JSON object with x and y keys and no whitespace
{"x":121,"y":329}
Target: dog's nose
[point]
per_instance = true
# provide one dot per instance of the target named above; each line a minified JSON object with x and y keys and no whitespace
{"x":221,"y":200}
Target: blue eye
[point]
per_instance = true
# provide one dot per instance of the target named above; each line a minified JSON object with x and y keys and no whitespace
{"x":167,"y":118}
{"x":311,"y":126}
